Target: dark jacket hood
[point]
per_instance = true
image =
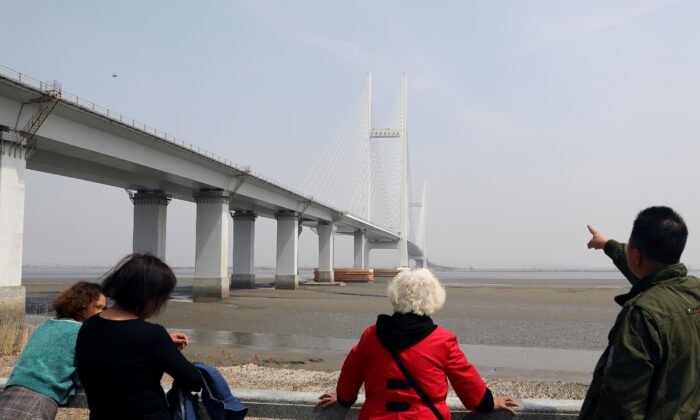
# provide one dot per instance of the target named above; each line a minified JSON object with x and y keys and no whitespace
{"x":401,"y":331}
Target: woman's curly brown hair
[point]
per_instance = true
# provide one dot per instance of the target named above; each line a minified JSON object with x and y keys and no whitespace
{"x":73,"y":302}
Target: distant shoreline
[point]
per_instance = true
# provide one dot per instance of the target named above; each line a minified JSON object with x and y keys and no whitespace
{"x":526,"y":270}
{"x":446,"y":269}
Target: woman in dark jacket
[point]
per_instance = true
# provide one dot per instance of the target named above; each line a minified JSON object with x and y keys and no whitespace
{"x":429,"y":353}
{"x":121,"y":358}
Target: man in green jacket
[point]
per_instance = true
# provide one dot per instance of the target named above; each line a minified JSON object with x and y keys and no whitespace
{"x":651,"y":367}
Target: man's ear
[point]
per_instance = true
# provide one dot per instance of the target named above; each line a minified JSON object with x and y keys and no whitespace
{"x":636,"y":257}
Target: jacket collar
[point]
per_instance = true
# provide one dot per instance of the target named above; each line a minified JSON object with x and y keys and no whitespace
{"x":665,"y":274}
{"x":401,"y":331}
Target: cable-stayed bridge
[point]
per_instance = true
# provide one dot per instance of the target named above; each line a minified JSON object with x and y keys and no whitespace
{"x":365,"y":170}
{"x":360,"y":187}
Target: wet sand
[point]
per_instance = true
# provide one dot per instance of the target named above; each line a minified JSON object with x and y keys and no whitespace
{"x":521,"y":333}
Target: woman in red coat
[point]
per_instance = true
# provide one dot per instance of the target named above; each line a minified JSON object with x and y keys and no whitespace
{"x":430,"y":355}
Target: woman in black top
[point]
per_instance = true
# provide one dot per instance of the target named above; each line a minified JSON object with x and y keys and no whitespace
{"x":121,"y":358}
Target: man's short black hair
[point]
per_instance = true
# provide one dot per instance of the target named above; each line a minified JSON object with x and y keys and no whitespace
{"x":140,"y":283}
{"x":660,"y":234}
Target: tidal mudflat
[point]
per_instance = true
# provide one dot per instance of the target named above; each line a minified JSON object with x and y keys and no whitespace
{"x":528,"y":329}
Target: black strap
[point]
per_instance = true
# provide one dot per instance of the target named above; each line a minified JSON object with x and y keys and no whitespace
{"x":397,"y":384}
{"x":423,"y":395}
{"x":397,"y":406}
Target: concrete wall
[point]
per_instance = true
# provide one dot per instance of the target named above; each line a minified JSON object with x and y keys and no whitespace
{"x":269,"y":404}
{"x":302,"y":405}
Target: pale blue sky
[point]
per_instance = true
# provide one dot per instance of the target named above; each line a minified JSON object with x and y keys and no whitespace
{"x":529,"y":119}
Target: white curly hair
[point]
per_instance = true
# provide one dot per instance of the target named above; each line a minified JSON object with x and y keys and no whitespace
{"x":416,"y":291}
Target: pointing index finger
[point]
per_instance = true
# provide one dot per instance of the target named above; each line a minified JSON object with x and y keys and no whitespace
{"x":591,"y":229}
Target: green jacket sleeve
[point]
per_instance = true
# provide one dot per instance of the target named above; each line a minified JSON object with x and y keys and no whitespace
{"x":629,"y":371}
{"x":616,"y":251}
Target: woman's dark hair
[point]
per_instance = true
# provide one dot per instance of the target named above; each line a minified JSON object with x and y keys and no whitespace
{"x":73,"y":303}
{"x":660,"y":234}
{"x":140,"y":283}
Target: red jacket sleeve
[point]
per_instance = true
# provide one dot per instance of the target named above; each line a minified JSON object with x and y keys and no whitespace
{"x":352,"y":373}
{"x":465,"y":379}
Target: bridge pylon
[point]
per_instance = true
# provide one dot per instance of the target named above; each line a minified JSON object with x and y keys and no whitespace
{"x":400,"y":133}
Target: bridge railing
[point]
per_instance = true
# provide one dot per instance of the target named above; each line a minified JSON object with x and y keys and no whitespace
{"x":161,"y":134}
{"x":116,"y":116}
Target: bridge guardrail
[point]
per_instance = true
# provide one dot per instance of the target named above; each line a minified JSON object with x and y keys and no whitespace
{"x":130,"y":122}
{"x":116,"y":116}
{"x":90,"y":106}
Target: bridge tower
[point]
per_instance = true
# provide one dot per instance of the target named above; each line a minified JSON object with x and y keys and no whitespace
{"x":364,"y":172}
{"x":421,"y":232}
{"x":401,"y":134}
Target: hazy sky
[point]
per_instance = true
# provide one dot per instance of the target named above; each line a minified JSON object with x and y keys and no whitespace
{"x":529,"y":119}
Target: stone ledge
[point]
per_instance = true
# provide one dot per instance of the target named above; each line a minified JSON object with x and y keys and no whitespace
{"x":302,"y":405}
{"x":273,"y":404}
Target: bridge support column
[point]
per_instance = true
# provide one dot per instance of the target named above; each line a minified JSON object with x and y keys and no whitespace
{"x":403,"y":252}
{"x":243,"y":276}
{"x":150,"y":216}
{"x":424,"y":261}
{"x":12,"y":293}
{"x":326,"y":247}
{"x":211,"y":258}
{"x":360,"y":249}
{"x":368,"y":247}
{"x":286,"y":276}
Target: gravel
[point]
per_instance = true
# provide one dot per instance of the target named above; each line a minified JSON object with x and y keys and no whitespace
{"x":262,"y":377}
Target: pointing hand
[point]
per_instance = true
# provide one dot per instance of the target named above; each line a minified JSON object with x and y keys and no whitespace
{"x":598,"y":240}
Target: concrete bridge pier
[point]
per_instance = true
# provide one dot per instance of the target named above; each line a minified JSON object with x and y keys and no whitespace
{"x":286,"y":275}
{"x":13,"y":165}
{"x":211,"y":258}
{"x":326,"y":245}
{"x":150,"y":216}
{"x":361,"y":249}
{"x":243,"y":276}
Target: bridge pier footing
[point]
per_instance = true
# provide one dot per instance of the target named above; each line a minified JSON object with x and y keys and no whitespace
{"x":243,"y":276}
{"x":211,"y":258}
{"x":13,"y":165}
{"x":286,"y":281}
{"x":150,"y":217}
{"x":242,"y":281}
{"x":286,"y":274}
